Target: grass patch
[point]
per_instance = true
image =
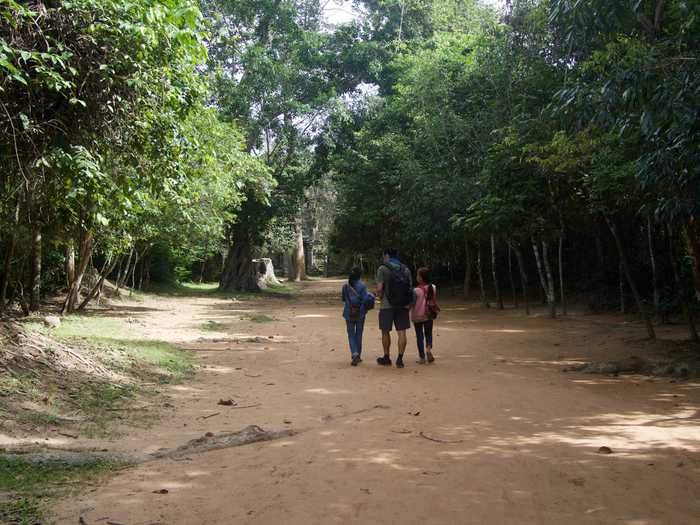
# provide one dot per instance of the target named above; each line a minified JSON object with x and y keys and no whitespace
{"x":121,"y":347}
{"x":90,"y":404}
{"x":26,"y":489}
{"x":257,"y":318}
{"x":38,"y":419}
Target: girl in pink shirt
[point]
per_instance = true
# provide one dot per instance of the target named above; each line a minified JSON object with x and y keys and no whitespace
{"x":426,"y":292}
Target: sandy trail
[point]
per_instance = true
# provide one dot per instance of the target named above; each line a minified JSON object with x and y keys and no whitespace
{"x":517,"y":439}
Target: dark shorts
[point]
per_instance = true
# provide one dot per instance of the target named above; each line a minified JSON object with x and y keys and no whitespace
{"x":394,"y":316}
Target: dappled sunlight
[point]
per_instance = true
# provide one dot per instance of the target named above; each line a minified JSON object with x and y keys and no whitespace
{"x":311,"y":316}
{"x":505,"y":331}
{"x":384,"y":457}
{"x":326,"y":392}
{"x":637,"y":431}
{"x":281,"y":444}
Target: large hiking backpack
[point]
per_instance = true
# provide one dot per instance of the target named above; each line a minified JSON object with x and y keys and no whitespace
{"x":399,"y":294}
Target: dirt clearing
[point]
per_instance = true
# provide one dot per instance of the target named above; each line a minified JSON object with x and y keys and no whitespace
{"x":492,"y":433}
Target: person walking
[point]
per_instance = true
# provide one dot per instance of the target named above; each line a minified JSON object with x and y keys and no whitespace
{"x":355,"y":299}
{"x":395,"y":293}
{"x":423,"y":313}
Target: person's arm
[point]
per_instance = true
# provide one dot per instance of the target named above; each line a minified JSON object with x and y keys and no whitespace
{"x":380,"y":284}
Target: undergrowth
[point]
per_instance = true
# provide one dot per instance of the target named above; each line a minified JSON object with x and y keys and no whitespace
{"x":26,"y":490}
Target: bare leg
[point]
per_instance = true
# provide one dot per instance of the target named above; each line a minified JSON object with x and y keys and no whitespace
{"x":386,"y":342}
{"x":402,"y":341}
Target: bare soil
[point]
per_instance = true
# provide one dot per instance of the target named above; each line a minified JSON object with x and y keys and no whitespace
{"x":492,"y":433}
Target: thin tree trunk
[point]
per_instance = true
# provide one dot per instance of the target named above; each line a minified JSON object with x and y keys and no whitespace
{"x":70,"y":261}
{"x":513,"y":291}
{"x":499,"y":297}
{"x":523,"y":278}
{"x":467,"y":270}
{"x":96,"y":291}
{"x":654,"y":273}
{"x":7,"y":269}
{"x":484,"y":302}
{"x":540,"y":269}
{"x":623,"y":302}
{"x":7,"y":263}
{"x":626,"y":269}
{"x":133,"y":272}
{"x":74,"y":291}
{"x":551,"y":295}
{"x":562,"y":292}
{"x":691,"y":231}
{"x":687,"y":313}
{"x":35,"y":280}
{"x":124,"y":272}
{"x":298,"y":259}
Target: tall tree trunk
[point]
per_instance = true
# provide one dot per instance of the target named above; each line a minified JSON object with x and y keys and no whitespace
{"x":654,"y":274}
{"x":499,"y":297}
{"x":513,"y":291}
{"x":562,"y":291}
{"x":35,"y":279}
{"x":626,"y":269}
{"x":623,"y":301}
{"x":7,"y":263}
{"x":298,"y":259}
{"x":239,"y":270}
{"x":551,"y":295}
{"x":7,"y":269}
{"x":123,"y":272}
{"x":70,"y":261}
{"x":74,"y":291}
{"x":523,"y":277}
{"x":691,"y":231}
{"x":685,"y":307}
{"x":540,"y":268}
{"x":467,"y":270}
{"x":133,"y":271}
{"x":479,"y":269}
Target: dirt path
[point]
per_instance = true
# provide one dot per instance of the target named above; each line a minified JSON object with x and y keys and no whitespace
{"x":493,"y":433}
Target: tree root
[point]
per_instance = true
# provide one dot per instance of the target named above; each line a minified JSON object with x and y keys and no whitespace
{"x":250,"y":434}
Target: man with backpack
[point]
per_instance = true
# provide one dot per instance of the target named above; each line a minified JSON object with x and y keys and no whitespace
{"x":395,"y":293}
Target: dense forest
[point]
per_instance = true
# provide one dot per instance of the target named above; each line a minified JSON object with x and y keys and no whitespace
{"x":534,"y":151}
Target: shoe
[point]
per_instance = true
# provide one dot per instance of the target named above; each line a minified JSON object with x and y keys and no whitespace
{"x":431,"y":358}
{"x":355,"y":360}
{"x":384,"y":360}
{"x":399,"y":362}
{"x":421,"y":361}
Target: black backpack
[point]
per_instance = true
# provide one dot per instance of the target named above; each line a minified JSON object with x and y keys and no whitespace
{"x":399,"y":294}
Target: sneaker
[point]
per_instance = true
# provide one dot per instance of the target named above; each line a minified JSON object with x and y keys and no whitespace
{"x":384,"y":360}
{"x":421,"y":361}
{"x":355,"y":359}
{"x":399,"y":362}
{"x":431,"y":358}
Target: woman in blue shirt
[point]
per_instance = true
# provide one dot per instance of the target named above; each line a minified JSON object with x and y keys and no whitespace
{"x":356,"y":298}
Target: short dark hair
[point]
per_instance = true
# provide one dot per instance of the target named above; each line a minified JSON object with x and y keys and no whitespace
{"x":355,"y":274}
{"x":391,"y":252}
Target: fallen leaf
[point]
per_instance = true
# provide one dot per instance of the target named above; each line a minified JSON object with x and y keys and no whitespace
{"x":161,"y":491}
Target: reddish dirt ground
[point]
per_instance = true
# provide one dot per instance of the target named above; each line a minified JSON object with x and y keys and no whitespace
{"x":492,"y":433}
